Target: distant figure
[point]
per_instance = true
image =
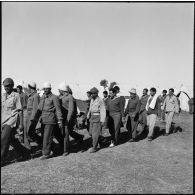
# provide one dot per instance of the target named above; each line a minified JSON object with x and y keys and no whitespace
{"x":96,"y":116}
{"x":162,"y":99}
{"x":32,"y":106}
{"x":23,"y":99}
{"x":115,"y":116}
{"x":106,"y":99}
{"x":152,"y":110}
{"x":11,"y":119}
{"x":87,"y":109}
{"x":170,"y":107}
{"x":132,"y":110}
{"x":142,"y":110}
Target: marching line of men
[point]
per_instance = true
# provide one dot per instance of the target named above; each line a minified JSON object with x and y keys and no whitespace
{"x":58,"y":114}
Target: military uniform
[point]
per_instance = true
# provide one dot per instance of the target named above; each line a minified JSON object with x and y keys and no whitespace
{"x":11,"y":106}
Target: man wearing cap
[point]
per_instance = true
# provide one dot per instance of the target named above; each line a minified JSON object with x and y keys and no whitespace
{"x":132,"y":110}
{"x":96,"y":116}
{"x":12,"y":118}
{"x":32,"y":106}
{"x":142,"y":111}
{"x":69,"y":111}
{"x":51,"y":115}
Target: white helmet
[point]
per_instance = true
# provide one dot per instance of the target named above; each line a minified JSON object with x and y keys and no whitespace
{"x":32,"y":84}
{"x":62,"y":86}
{"x":47,"y":85}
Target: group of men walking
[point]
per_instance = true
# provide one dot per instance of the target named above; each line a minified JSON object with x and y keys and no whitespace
{"x":58,"y":114}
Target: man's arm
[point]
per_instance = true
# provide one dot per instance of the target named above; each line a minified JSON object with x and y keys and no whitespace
{"x":35,"y":105}
{"x":176,"y":105}
{"x":56,"y":102}
{"x":102,"y":111}
{"x":20,"y":111}
{"x":127,"y":109}
{"x":70,"y":108}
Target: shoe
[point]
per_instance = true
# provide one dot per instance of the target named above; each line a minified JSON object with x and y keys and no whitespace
{"x":24,"y":158}
{"x":166,"y":134}
{"x":111,"y":145}
{"x":132,"y":140}
{"x":92,"y":150}
{"x":150,"y":138}
{"x":98,"y":146}
{"x":65,"y":154}
{"x":44,"y":157}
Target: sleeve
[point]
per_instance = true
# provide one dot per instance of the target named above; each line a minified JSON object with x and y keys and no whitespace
{"x":127,"y":109}
{"x":102,"y":111}
{"x":137,"y":107}
{"x":122,"y":106}
{"x":18,"y":103}
{"x":158,"y":106}
{"x":35,"y":105}
{"x":71,"y":108}
{"x":164,"y":103}
{"x":89,"y":111}
{"x":176,"y":105}
{"x":56,"y":102}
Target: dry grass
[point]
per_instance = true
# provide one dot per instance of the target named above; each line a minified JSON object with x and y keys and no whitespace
{"x":162,"y":166}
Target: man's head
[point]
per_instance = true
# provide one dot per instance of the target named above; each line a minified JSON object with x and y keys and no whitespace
{"x":19,"y":89}
{"x":171,"y":91}
{"x":164,"y":92}
{"x":112,"y":93}
{"x":94,"y":92}
{"x":47,"y":88}
{"x":152,"y":91}
{"x":105,"y":94}
{"x":117,"y":89}
{"x":145,"y":91}
{"x":89,"y":94}
{"x":32,"y":86}
{"x":8,"y":84}
{"x":132,"y":93}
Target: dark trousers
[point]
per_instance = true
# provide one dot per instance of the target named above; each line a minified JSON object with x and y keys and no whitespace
{"x":132,"y":123}
{"x":47,"y":132}
{"x":114,"y":123}
{"x":8,"y":138}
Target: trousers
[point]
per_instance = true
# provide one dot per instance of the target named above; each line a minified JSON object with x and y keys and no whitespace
{"x":151,"y":120}
{"x":7,"y":139}
{"x":132,"y":123}
{"x":114,"y":124}
{"x":169,"y":118}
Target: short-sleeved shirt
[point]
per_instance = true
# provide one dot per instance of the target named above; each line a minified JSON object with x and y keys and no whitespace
{"x":11,"y":105}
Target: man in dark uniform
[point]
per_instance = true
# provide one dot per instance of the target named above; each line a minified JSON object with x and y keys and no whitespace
{"x":51,"y":115}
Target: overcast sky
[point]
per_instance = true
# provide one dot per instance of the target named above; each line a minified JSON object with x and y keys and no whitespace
{"x":145,"y":44}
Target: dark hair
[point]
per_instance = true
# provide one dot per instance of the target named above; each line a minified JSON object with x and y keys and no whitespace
{"x":113,"y":90}
{"x":105,"y":92}
{"x":19,"y":87}
{"x":117,"y":88}
{"x":164,"y":91}
{"x":153,"y":89}
{"x":89,"y":92}
{"x":171,"y":90}
{"x":14,"y":89}
{"x":146,"y":89}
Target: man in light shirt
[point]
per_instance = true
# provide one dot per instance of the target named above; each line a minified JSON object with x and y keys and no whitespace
{"x":97,"y":115}
{"x":170,"y":107}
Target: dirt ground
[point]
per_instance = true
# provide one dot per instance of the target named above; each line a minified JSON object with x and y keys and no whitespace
{"x":164,"y":165}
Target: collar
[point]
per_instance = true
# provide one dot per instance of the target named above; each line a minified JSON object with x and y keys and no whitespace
{"x":31,"y":94}
{"x":12,"y":94}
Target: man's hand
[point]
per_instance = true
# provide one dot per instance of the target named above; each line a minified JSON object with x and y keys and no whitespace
{"x":21,"y":127}
{"x":60,"y":125}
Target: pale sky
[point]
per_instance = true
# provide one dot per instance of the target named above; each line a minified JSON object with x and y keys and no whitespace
{"x":143,"y":44}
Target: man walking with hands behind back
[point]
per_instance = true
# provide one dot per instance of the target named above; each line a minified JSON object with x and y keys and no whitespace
{"x":97,"y":116}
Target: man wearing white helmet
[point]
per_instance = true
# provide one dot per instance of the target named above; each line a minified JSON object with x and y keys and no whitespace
{"x":69,"y":111}
{"x":51,"y":115}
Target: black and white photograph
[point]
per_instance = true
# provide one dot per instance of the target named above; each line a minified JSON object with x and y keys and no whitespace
{"x":97,"y":97}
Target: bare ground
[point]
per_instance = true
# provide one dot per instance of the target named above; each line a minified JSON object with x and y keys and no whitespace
{"x":164,"y":165}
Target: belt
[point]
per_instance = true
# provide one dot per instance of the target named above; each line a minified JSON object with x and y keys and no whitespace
{"x":96,"y":113}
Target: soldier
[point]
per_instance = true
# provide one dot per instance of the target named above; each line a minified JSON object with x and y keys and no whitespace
{"x":142,"y":111}
{"x":97,"y":115}
{"x":152,"y":110}
{"x":132,"y":110}
{"x":115,"y":116}
{"x":87,"y":109}
{"x":51,"y":115}
{"x":69,"y":110}
{"x":170,"y":107}
{"x":12,"y":118}
{"x":162,"y":99}
{"x":106,"y":99}
{"x":32,"y":106}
